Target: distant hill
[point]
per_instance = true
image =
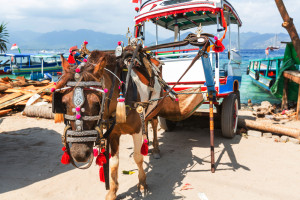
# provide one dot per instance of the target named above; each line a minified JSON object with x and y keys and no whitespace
{"x":97,"y":40}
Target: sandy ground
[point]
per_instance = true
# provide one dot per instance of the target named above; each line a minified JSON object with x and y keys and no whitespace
{"x":253,"y":168}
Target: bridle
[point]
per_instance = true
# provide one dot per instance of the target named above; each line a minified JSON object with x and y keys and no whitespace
{"x":79,"y":135}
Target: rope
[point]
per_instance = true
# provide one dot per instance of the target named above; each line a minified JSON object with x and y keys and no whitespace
{"x":42,"y":111}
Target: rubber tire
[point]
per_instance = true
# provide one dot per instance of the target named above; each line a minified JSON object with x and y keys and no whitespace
{"x":238,"y":96}
{"x":257,"y":75}
{"x":165,"y":124}
{"x":229,"y":107}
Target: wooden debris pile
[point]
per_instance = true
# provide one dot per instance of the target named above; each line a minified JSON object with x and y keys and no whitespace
{"x":22,"y":92}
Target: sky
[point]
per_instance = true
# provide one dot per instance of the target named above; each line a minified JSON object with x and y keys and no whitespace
{"x":115,"y":16}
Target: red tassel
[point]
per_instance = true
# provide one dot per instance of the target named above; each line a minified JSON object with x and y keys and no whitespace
{"x":101,"y":160}
{"x":101,"y":174}
{"x":71,"y":59}
{"x":144,"y":149}
{"x":218,"y":47}
{"x":65,"y":159}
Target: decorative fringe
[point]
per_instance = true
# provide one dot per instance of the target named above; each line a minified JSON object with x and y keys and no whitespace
{"x":121,"y":110}
{"x":144,"y":149}
{"x":71,"y":59}
{"x":101,"y":174}
{"x":101,"y":160}
{"x":58,"y":118}
{"x":218,"y":47}
{"x":65,"y":159}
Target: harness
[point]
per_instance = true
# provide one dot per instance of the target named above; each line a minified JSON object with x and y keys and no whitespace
{"x":79,"y":135}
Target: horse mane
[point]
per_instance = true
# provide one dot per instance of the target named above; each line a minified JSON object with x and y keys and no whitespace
{"x":87,"y":71}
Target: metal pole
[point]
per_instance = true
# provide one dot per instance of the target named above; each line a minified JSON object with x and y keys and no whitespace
{"x":229,"y":23}
{"x":156,"y":34}
{"x":239,"y":39}
{"x":43,"y":66}
{"x":211,"y":123}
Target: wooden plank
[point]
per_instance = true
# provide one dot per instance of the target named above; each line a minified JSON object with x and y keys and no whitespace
{"x":284,"y":104}
{"x":16,"y":100}
{"x":22,"y":103}
{"x":4,"y":112}
{"x":298,"y":105}
{"x":12,"y":90}
{"x":292,"y":75}
{"x":10,"y":97}
{"x":47,"y":97}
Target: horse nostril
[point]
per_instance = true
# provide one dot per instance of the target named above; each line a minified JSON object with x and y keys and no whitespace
{"x":80,"y":152}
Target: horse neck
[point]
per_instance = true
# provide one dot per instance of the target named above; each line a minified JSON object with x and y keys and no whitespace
{"x":112,"y":87}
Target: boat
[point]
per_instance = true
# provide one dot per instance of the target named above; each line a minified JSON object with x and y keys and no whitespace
{"x":34,"y":64}
{"x":264,"y":72}
{"x":273,"y":47}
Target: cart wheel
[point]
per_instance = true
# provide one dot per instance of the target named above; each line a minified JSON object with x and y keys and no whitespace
{"x":165,"y":124}
{"x":229,"y":118}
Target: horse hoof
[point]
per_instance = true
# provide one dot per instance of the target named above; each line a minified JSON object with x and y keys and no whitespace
{"x":156,"y":156}
{"x":143,"y":190}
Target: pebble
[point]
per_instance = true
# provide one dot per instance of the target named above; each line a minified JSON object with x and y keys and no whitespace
{"x":284,"y":139}
{"x":267,"y":135}
{"x":294,"y":140}
{"x":276,"y":138}
{"x":254,"y":133}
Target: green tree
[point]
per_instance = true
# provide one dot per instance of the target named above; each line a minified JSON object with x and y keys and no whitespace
{"x":3,"y":38}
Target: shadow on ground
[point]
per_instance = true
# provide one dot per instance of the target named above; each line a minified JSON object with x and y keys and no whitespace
{"x":178,"y":159}
{"x":28,"y":156}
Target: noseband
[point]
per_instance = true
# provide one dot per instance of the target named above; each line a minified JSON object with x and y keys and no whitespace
{"x":79,"y":135}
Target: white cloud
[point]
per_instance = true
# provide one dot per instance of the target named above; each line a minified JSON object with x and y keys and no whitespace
{"x":114,"y":16}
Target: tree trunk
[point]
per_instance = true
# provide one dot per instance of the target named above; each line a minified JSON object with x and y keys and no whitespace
{"x":289,"y":25}
{"x":269,"y":127}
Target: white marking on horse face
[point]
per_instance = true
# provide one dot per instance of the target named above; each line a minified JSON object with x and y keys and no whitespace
{"x":144,"y":90}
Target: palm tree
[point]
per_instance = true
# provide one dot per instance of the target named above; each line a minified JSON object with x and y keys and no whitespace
{"x":3,"y":38}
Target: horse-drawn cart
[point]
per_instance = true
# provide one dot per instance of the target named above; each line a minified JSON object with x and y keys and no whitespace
{"x":219,"y":82}
{"x":222,"y":80}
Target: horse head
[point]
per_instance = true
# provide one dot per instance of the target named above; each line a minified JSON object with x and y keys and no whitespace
{"x":83,"y":93}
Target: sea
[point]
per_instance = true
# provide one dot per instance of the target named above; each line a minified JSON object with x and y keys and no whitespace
{"x":248,"y":90}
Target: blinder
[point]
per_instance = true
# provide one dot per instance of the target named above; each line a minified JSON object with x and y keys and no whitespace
{"x":57,"y":105}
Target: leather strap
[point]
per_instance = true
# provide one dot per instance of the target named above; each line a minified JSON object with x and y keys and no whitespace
{"x":81,"y":133}
{"x":84,"y":83}
{"x":84,"y":118}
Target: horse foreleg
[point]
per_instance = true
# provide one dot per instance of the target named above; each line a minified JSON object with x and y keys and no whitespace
{"x":156,"y":151}
{"x":139,"y":158}
{"x":114,"y":165}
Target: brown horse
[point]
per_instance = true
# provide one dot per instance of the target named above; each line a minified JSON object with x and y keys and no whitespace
{"x":99,"y":68}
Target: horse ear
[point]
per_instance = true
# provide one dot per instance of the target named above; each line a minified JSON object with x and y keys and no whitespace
{"x":99,"y":68}
{"x":64,"y":63}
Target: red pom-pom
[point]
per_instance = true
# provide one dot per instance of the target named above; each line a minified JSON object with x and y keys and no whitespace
{"x":77,"y":70}
{"x":65,"y":159}
{"x":137,"y":9}
{"x":119,"y":43}
{"x":101,"y":160}
{"x":52,"y":89}
{"x":218,"y":47}
{"x":144,"y":149}
{"x":71,"y":59}
{"x":101,"y":174}
{"x":85,"y":42}
{"x":96,"y":152}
